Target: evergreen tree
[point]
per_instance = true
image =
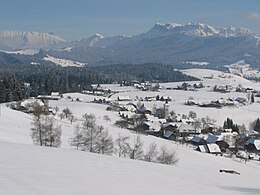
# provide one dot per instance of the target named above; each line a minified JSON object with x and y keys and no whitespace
{"x":252,"y":98}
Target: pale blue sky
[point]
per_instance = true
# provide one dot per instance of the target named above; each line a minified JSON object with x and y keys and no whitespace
{"x":75,"y":19}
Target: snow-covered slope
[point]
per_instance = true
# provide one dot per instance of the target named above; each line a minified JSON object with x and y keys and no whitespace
{"x":91,"y":40}
{"x":22,"y":52}
{"x":64,"y":62}
{"x":32,"y":170}
{"x":243,"y":69}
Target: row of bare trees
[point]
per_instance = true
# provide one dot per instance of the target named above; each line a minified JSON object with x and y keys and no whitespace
{"x":45,"y":131}
{"x":88,"y":136}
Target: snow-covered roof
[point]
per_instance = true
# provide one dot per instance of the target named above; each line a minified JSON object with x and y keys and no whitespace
{"x":210,"y":138}
{"x":123,"y":98}
{"x":127,"y":113}
{"x":31,"y":101}
{"x":165,"y":125}
{"x":197,"y":138}
{"x":168,"y":134}
{"x":55,"y":94}
{"x":255,"y":142}
{"x":153,"y":126}
{"x":130,"y":108}
{"x":183,"y":128}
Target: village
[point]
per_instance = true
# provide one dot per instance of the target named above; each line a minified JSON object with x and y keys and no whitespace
{"x":151,"y":109}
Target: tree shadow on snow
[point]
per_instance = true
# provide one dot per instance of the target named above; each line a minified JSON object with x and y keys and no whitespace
{"x":241,"y":189}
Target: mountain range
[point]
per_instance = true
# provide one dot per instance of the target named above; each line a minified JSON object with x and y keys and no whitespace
{"x":182,"y":45}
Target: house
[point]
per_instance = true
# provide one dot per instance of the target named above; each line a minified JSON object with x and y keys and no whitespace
{"x":96,"y":87}
{"x":202,"y":139}
{"x":154,"y":128}
{"x":186,"y":129}
{"x":170,"y":127}
{"x":253,"y":144}
{"x":169,"y":135}
{"x":166,"y":98}
{"x":210,"y":138}
{"x":258,"y":94}
{"x":198,"y":85}
{"x":222,"y":88}
{"x":53,"y":96}
{"x":241,"y":100}
{"x":159,"y":113}
{"x":126,"y":114}
{"x":203,"y":149}
{"x":123,"y":98}
{"x":222,"y":143}
{"x":130,"y":108}
{"x":214,"y":149}
{"x":209,"y":148}
{"x":28,"y":104}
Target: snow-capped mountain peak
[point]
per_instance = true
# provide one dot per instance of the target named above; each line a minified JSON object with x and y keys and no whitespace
{"x":196,"y":29}
{"x":91,"y":41}
{"x":10,"y":40}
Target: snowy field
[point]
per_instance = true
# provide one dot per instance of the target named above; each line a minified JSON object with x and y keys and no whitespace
{"x":31,"y":170}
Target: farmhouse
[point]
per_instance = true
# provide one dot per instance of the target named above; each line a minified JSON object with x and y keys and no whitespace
{"x":53,"y":96}
{"x":209,"y":148}
{"x":253,"y":144}
{"x":123,"y":98}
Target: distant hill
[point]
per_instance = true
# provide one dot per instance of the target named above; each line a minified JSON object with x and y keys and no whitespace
{"x":190,"y":45}
{"x":169,"y":44}
{"x":16,"y":40}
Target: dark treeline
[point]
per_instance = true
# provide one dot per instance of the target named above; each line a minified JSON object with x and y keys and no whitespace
{"x":45,"y":79}
{"x":11,"y":88}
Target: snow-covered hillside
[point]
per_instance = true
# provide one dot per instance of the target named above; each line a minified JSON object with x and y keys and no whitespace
{"x":22,"y":52}
{"x":64,"y":62}
{"x":244,"y":70}
{"x":32,"y":170}
{"x":28,"y":169}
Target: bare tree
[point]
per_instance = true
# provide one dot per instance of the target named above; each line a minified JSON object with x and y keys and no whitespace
{"x":166,"y":157}
{"x":122,"y":124}
{"x":77,"y":140}
{"x":137,"y":151}
{"x":37,"y":130}
{"x":151,"y":153}
{"x":122,"y":145}
{"x":91,"y":137}
{"x":52,"y":132}
{"x":242,"y":129}
{"x":192,"y":114}
{"x":104,"y":144}
{"x":90,"y":132}
{"x":107,"y":118}
{"x":67,"y":112}
{"x":46,"y":131}
{"x":71,"y":118}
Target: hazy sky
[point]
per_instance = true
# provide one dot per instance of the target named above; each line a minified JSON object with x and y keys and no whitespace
{"x":75,"y":19}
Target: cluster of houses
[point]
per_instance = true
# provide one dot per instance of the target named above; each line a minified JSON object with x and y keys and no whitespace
{"x":218,"y":103}
{"x":188,"y":87}
{"x":207,"y":138}
{"x":146,"y":86}
{"x":98,"y":90}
